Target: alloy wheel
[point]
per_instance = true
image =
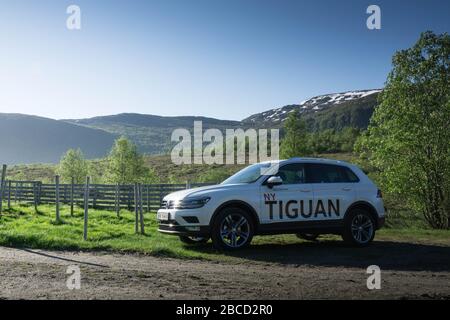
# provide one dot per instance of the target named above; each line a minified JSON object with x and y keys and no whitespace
{"x":235,"y":230}
{"x":362,"y":228}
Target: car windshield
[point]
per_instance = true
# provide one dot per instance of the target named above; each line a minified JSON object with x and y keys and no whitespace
{"x":249,"y":174}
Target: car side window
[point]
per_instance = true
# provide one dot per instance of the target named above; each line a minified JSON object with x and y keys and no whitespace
{"x":293,"y":173}
{"x":328,"y":173}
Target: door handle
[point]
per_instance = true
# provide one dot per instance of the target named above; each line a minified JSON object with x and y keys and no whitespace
{"x":347,"y":189}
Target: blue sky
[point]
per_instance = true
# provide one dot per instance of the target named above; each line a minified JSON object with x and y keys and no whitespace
{"x":225,"y":59}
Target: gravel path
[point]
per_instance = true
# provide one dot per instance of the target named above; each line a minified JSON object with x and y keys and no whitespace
{"x":313,"y":271}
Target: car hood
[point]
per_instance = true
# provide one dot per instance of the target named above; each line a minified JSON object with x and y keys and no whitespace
{"x":202,"y":191}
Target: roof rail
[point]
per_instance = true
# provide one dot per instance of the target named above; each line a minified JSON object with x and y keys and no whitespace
{"x":315,"y":159}
{"x":306,"y":158}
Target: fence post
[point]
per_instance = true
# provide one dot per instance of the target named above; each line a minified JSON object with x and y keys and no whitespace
{"x":57,"y":197}
{"x":9,"y":194}
{"x":160,"y":194}
{"x":136,"y":209}
{"x":2,"y":186}
{"x":19,"y":192}
{"x":130,"y":196}
{"x":94,"y":200}
{"x":148,"y":198}
{"x":39,"y":192}
{"x":141,"y":214}
{"x":35,"y":197}
{"x":86,"y":208}
{"x":72,"y":182}
{"x":117,"y":198}
{"x":188,"y":184}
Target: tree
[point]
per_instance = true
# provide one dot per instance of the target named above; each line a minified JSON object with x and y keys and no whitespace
{"x":295,"y":142}
{"x":408,"y":138}
{"x":347,"y":138}
{"x":126,"y":165}
{"x":73,"y":165}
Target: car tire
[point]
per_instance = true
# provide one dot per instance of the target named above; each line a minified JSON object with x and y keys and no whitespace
{"x":193,"y":240}
{"x":359,"y":228}
{"x":232,"y":229}
{"x":308,"y":236}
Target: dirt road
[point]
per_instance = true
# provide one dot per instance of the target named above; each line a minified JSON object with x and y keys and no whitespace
{"x":297,"y":271}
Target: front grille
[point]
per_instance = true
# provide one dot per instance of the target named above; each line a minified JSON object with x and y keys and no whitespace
{"x":167,"y":204}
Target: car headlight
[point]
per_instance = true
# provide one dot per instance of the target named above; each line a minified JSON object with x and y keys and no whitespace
{"x":193,"y":203}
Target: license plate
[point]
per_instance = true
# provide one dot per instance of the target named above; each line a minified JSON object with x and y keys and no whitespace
{"x":163,"y":216}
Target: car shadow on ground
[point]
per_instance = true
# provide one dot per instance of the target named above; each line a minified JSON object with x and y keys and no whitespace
{"x":388,"y":255}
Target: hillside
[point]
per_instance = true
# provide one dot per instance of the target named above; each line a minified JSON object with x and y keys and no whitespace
{"x":330,"y":111}
{"x":151,"y":133}
{"x":31,"y":139}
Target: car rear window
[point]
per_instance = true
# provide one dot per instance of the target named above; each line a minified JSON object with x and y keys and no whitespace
{"x":350,"y":175}
{"x":328,"y":173}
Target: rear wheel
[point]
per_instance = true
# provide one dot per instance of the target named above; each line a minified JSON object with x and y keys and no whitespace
{"x":308,"y":236}
{"x":232,"y":229}
{"x":193,"y":240}
{"x":359,"y":228}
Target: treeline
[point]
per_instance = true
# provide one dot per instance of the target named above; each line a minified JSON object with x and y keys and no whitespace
{"x":298,"y":141}
{"x":123,"y":165}
{"x":333,"y":141}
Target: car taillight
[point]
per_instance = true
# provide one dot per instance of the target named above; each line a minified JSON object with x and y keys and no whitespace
{"x":379,"y":194}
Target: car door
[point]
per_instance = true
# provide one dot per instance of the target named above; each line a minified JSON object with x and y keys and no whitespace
{"x":333,"y":190}
{"x":290,"y":201}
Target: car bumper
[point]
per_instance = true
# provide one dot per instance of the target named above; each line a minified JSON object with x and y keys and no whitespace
{"x":173,"y":228}
{"x":183,"y":222}
{"x":381,"y":222}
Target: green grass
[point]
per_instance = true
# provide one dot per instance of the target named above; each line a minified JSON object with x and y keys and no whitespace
{"x":415,"y":235}
{"x":21,"y":226}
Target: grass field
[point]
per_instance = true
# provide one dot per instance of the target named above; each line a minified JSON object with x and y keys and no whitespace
{"x":21,"y":226}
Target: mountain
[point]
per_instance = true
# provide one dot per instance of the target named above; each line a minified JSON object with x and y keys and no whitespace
{"x":330,"y":111}
{"x":31,"y":139}
{"x":151,"y":133}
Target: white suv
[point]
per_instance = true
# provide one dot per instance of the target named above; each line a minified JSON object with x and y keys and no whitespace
{"x":304,"y":196}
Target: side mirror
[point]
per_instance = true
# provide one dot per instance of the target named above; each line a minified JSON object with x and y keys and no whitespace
{"x":274,"y":181}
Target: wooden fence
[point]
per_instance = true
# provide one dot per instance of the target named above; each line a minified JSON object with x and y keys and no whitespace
{"x":101,"y":196}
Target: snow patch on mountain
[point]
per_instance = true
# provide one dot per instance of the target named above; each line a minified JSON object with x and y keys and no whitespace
{"x":314,"y":104}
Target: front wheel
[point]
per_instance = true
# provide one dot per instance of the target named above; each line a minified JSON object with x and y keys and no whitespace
{"x":232,"y":229}
{"x":359,"y":228}
{"x":193,"y":240}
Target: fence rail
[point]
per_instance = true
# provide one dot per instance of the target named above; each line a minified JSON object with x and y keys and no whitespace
{"x":101,"y":196}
